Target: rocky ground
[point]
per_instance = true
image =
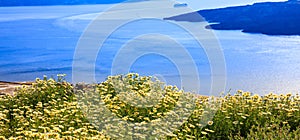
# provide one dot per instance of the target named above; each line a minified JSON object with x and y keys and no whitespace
{"x":9,"y":87}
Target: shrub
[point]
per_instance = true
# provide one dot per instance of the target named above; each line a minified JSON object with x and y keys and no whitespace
{"x":50,"y":109}
{"x":45,"y":110}
{"x":134,"y":99}
{"x":241,"y":113}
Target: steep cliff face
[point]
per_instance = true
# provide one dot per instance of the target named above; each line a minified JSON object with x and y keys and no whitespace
{"x":272,"y":18}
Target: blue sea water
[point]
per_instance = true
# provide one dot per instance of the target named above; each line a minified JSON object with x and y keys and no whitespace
{"x":37,"y":41}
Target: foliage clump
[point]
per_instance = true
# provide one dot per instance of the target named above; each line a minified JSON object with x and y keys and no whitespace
{"x":51,"y":109}
{"x":246,"y":116}
{"x":144,"y":98}
{"x":45,"y":110}
{"x":135,"y":106}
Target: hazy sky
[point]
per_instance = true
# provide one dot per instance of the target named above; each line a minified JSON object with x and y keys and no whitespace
{"x":209,"y":4}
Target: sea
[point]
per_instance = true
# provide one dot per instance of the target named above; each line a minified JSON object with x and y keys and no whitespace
{"x":43,"y":40}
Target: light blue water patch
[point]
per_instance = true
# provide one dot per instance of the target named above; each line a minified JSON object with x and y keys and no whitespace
{"x":155,"y":37}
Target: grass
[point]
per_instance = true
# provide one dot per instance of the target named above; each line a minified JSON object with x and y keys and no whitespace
{"x":52,"y":109}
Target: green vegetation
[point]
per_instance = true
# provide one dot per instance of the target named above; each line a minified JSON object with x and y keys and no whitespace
{"x":51,"y":109}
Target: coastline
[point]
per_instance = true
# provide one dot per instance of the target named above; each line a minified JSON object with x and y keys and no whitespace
{"x":8,"y":88}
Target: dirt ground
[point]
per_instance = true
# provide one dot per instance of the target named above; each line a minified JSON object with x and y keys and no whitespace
{"x":9,"y":87}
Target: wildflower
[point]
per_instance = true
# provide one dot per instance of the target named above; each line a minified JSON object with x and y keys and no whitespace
{"x":255,"y":96}
{"x":285,"y":122}
{"x":208,"y":130}
{"x":56,"y":129}
{"x":280,"y":105}
{"x":71,"y":129}
{"x":246,"y":94}
{"x":210,"y":122}
{"x":204,"y":133}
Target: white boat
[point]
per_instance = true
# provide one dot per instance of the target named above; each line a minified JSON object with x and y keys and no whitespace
{"x":178,"y":5}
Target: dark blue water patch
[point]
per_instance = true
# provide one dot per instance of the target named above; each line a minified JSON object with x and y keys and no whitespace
{"x":32,"y":76}
{"x":32,"y":47}
{"x":29,"y":74}
{"x":29,"y":27}
{"x":29,"y":62}
{"x":24,"y":71}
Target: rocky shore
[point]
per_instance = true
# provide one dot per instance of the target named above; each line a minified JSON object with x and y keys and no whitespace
{"x":10,"y":87}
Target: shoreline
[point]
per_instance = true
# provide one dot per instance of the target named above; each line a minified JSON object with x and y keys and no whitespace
{"x":8,"y":88}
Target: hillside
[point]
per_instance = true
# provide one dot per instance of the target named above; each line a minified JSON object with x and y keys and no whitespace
{"x":271,"y":18}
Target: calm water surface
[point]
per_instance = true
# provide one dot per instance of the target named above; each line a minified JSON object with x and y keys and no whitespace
{"x":37,"y":41}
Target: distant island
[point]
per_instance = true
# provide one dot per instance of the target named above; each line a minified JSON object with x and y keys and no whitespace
{"x":5,"y":3}
{"x":271,"y":18}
